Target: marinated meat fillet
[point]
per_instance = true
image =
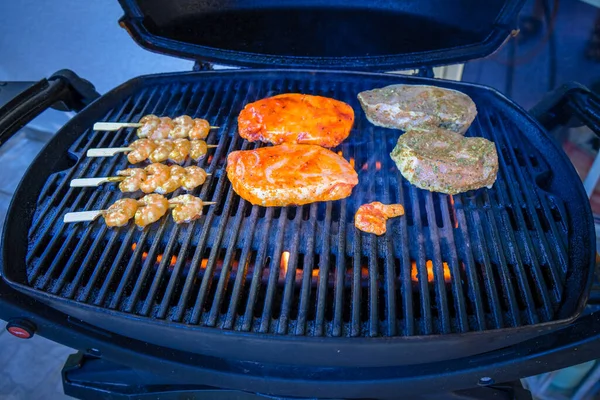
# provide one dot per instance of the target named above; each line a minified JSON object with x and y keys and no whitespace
{"x":371,"y":218}
{"x":296,"y":118}
{"x":446,"y":162}
{"x":290,"y":174}
{"x":418,"y":107}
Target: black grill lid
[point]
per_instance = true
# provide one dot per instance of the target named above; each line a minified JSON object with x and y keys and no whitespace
{"x":376,"y":35}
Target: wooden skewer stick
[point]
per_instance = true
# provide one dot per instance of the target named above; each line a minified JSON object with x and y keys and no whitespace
{"x":111,"y":151}
{"x":115,"y":126}
{"x":88,"y":216}
{"x":92,"y":182}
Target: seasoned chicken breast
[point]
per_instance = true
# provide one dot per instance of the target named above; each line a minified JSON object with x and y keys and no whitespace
{"x":418,"y":107}
{"x":444,"y":161}
{"x":290,"y":174}
{"x":296,"y":118}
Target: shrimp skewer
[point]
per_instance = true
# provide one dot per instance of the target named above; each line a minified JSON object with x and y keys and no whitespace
{"x":159,"y":150}
{"x":157,"y":178}
{"x":145,"y":211}
{"x":153,"y":127}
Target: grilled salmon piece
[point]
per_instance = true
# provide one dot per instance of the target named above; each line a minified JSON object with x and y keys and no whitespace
{"x":296,"y":118}
{"x":444,"y":161}
{"x":290,"y":174}
{"x":418,"y":107}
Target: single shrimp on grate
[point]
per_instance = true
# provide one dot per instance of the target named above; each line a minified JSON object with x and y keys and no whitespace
{"x":181,"y":150}
{"x":194,"y":177}
{"x":134,"y":178}
{"x":187,"y":208}
{"x":164,"y":147}
{"x":142,"y":148}
{"x":157,"y":176}
{"x":176,"y":174}
{"x":151,"y":208}
{"x":120,"y":212}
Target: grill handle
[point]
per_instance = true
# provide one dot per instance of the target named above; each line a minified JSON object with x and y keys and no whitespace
{"x":560,"y":106}
{"x":64,"y":91}
{"x":569,"y":100}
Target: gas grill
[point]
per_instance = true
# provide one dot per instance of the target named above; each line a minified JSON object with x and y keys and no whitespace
{"x":474,"y":289}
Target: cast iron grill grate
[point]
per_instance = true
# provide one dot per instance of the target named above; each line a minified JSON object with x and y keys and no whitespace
{"x":476,"y":261}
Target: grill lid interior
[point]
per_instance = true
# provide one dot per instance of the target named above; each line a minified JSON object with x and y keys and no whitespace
{"x":332,"y":34}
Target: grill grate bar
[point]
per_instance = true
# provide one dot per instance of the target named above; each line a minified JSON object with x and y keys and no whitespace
{"x":523,"y":284}
{"x":307,"y":270}
{"x":289,"y":274}
{"x":426,"y":321}
{"x":498,"y":253}
{"x":557,"y":250}
{"x":98,"y":268}
{"x":488,"y":276}
{"x":242,"y":270}
{"x":453,"y":266}
{"x":438,"y":267}
{"x":405,"y":264}
{"x":214,"y":251}
{"x":323,"y":267}
{"x":474,"y":291}
{"x":259,"y":265}
{"x":530,"y":250}
{"x":273,"y":275}
{"x":224,"y":276}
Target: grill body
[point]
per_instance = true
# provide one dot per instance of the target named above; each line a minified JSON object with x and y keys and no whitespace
{"x":454,"y":277}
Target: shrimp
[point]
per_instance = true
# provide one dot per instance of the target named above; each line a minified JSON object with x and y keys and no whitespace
{"x":149,"y":124}
{"x":120,"y":212}
{"x":163,"y":130}
{"x":181,"y":150}
{"x":198,"y":149}
{"x":194,"y":177}
{"x":173,"y":182}
{"x":152,"y":208}
{"x":162,"y":151}
{"x":133,"y":180}
{"x":187,"y":208}
{"x":158,"y":175}
{"x":183,"y":126}
{"x":199,"y":130}
{"x":142,"y":149}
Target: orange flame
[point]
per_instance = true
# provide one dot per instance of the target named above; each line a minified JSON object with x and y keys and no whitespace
{"x":352,"y":162}
{"x":430,"y":273}
{"x":204,"y":263}
{"x":377,"y":165}
{"x":283,"y":264}
{"x":210,"y":158}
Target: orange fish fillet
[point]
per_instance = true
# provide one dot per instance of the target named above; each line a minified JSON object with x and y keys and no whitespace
{"x":371,"y":217}
{"x":296,"y":118}
{"x":290,"y":174}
